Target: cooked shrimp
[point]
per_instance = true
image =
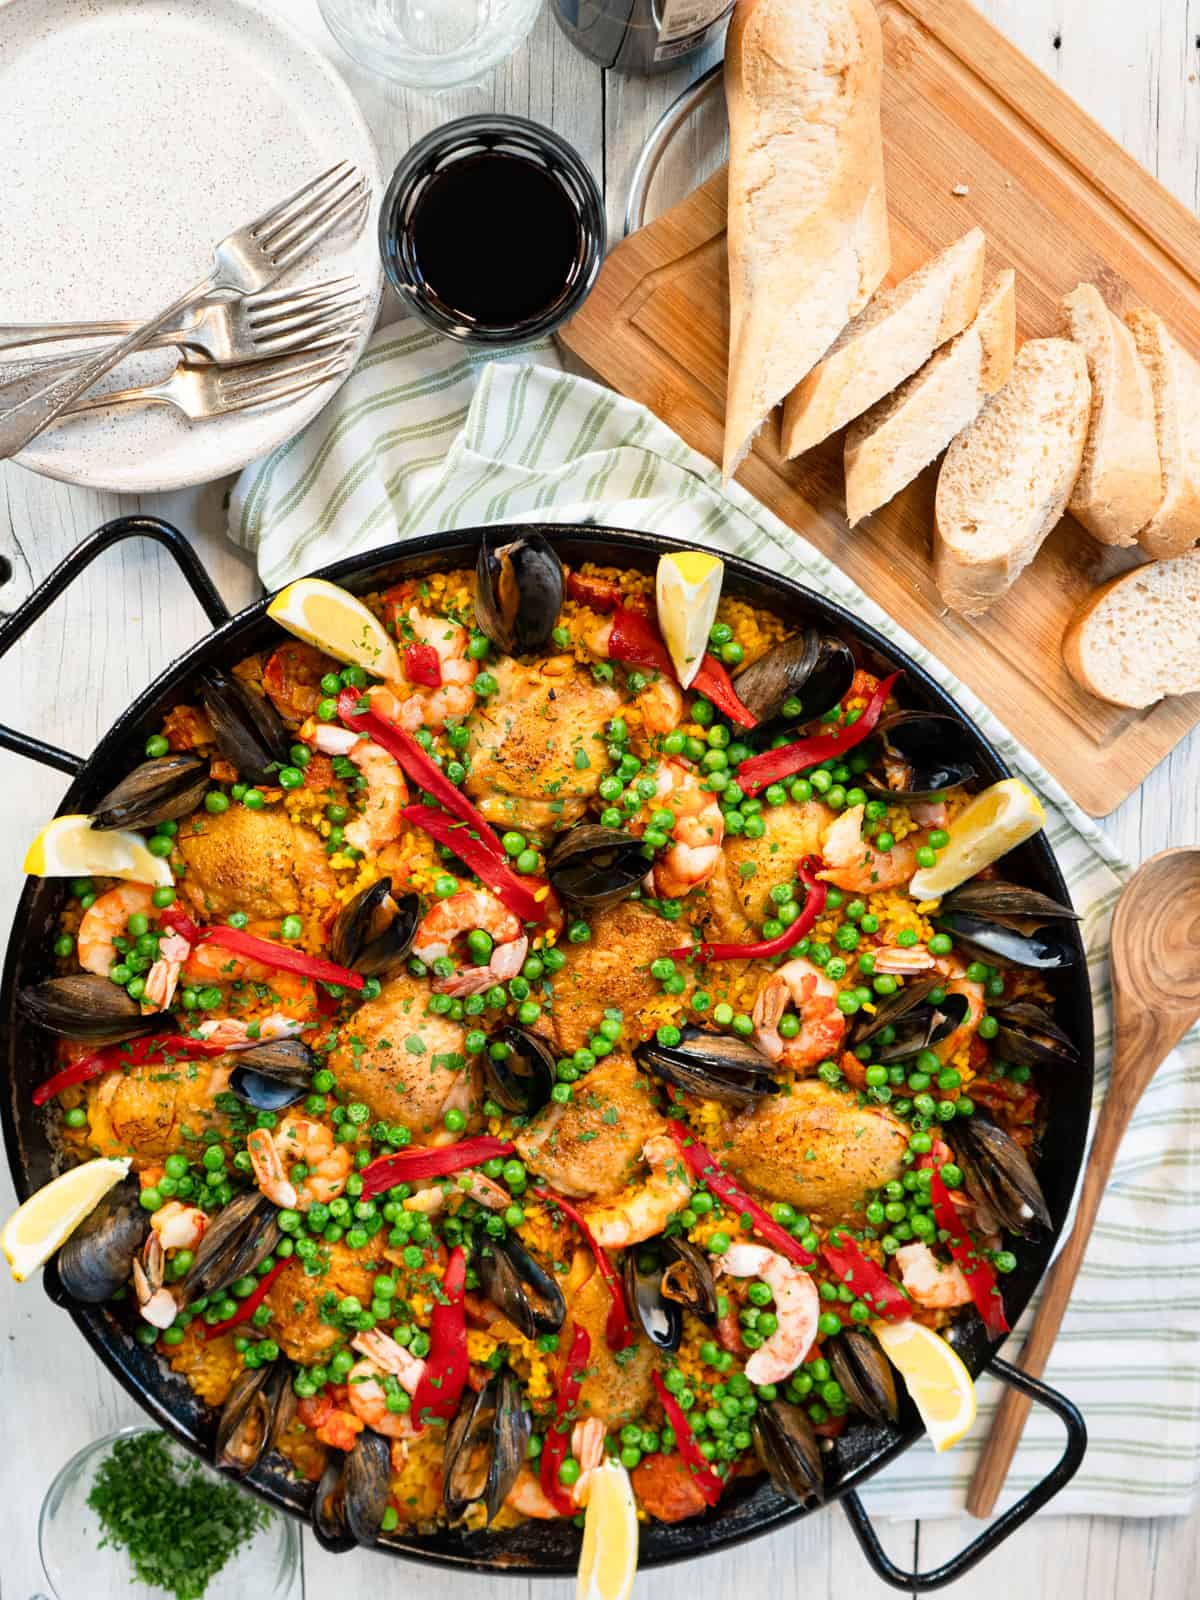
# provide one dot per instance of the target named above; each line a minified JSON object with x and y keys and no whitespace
{"x":936,"y":1285}
{"x":422,"y":706}
{"x":507,"y":960}
{"x":587,"y":1446}
{"x":822,"y":1025}
{"x":235,"y":1035}
{"x":902,"y":960}
{"x":179,"y":1227}
{"x":797,"y":1309}
{"x":449,"y":919}
{"x":386,"y":796}
{"x":368,"y":1399}
{"x":661,"y":705}
{"x":852,"y":864}
{"x":528,"y":1499}
{"x":641,"y":1212}
{"x":299,"y":1140}
{"x":163,"y":977}
{"x":695,"y":849}
{"x":106,"y":920}
{"x":474,"y":1185}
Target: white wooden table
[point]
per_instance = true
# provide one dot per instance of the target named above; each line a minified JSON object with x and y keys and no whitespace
{"x":1134,"y":67}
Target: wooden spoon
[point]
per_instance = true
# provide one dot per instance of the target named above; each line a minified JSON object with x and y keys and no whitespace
{"x":1156,"y":999}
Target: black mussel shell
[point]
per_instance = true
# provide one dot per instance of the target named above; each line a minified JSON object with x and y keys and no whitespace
{"x":889,"y":1011}
{"x":246,"y":727}
{"x":922,"y":1028}
{"x":485,"y":1446}
{"x":522,"y":1078}
{"x":518,"y":592}
{"x":811,"y":667}
{"x":687,"y":1278}
{"x":931,"y":743}
{"x":714,"y":1066}
{"x":274,"y":1075}
{"x":235,"y":1241}
{"x":998,"y":946}
{"x":997,"y":1172}
{"x":788,"y":1449}
{"x":865,"y":1373}
{"x":157,"y":791}
{"x":661,"y":1318}
{"x":97,"y":1258}
{"x":246,"y":1423}
{"x":327,"y":1515}
{"x":994,"y":900}
{"x":596,"y":867}
{"x":373,"y":932}
{"x":366,"y":1483}
{"x":87,"y":1006}
{"x":1029,"y":1036}
{"x":519,"y":1286}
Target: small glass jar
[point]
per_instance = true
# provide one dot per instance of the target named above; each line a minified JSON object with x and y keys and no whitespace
{"x":429,"y":44}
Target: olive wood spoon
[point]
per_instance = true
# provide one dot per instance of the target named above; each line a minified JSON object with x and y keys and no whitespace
{"x":1156,"y":999}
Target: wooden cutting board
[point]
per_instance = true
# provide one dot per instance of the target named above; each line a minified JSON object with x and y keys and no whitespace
{"x":1060,"y":202}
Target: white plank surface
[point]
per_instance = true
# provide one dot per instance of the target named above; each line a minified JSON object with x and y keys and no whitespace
{"x":1134,"y":67}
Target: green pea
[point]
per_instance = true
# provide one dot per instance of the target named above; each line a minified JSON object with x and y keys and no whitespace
{"x":254,"y":800}
{"x":156,"y":746}
{"x":291,"y":928}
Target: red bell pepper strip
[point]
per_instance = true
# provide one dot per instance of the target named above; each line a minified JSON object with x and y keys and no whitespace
{"x":601,"y":594}
{"x":248,"y":1306}
{"x":709,"y":1482}
{"x":705,"y":1165}
{"x":636,"y":640}
{"x":525,"y":898}
{"x":554,"y":1446}
{"x":867,"y":1278}
{"x":618,"y":1329}
{"x":279,"y":955}
{"x":974,"y":1266}
{"x":445,"y":1376}
{"x":421,"y":665}
{"x":166,"y":1047}
{"x":414,"y":1164}
{"x":175,"y":918}
{"x":763,"y":949}
{"x":756,"y":772}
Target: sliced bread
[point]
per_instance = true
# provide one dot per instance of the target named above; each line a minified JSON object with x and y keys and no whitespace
{"x":886,"y":448}
{"x":886,"y":343}
{"x":1138,"y":637}
{"x":1007,"y":478}
{"x":1175,"y":380}
{"x":808,"y":230}
{"x":1120,"y":486}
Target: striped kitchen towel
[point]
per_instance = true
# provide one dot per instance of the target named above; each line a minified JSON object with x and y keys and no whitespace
{"x":426,"y":436}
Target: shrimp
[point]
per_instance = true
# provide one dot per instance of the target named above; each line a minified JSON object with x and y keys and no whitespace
{"x":179,"y":1227}
{"x":507,"y":960}
{"x":235,"y":1035}
{"x":448,"y":919}
{"x":936,"y":1285}
{"x":695,"y":849}
{"x":298,"y":1140}
{"x":851,"y":863}
{"x":822,"y":1025}
{"x":425,"y":707}
{"x":904,"y":961}
{"x":797,"y":1309}
{"x":474,"y":1185}
{"x":528,"y":1498}
{"x":383,"y":1358}
{"x":163,"y":977}
{"x":386,"y":796}
{"x":642,"y":1212}
{"x":105,"y":920}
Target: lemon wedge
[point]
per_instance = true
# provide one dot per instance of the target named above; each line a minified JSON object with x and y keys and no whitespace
{"x":608,"y":1559}
{"x":69,"y":847}
{"x":940,"y":1385}
{"x":35,"y":1230}
{"x":687,"y":590}
{"x":334,"y":621}
{"x":996,"y":821}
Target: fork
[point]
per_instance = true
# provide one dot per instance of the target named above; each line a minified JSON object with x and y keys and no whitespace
{"x":246,"y":262}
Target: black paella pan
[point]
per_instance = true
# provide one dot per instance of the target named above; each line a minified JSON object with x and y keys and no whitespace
{"x":550,"y":1549}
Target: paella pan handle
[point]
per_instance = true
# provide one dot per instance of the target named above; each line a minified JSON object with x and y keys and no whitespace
{"x":48,"y":591}
{"x":1057,"y":1478}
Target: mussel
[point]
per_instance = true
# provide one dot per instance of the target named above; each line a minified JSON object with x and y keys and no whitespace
{"x":245,"y":726}
{"x":596,"y":867}
{"x":865,"y":1374}
{"x":519,"y":1285}
{"x":518,"y":592}
{"x":1029,"y":1036}
{"x":374,"y":932}
{"x":913,"y":1022}
{"x":272,"y":1076}
{"x":235,"y":1241}
{"x":998,"y":945}
{"x":98,"y":1257}
{"x":813,"y":668}
{"x":714,"y":1066}
{"x":352,"y":1495}
{"x":1010,"y":903}
{"x":662,"y":1281}
{"x":997,"y":1173}
{"x":917,"y":755}
{"x":518,"y":1068}
{"x":87,"y":1006}
{"x":156,"y":791}
{"x":247,"y":1424}
{"x":787,"y":1447}
{"x":485,"y":1445}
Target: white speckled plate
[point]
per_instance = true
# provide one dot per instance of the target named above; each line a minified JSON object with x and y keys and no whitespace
{"x":134,"y":134}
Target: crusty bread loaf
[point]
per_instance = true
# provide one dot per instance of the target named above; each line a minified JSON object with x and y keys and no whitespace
{"x":1120,"y":486}
{"x":886,"y":448}
{"x":1175,"y":380}
{"x":886,"y":343}
{"x":1138,"y":637}
{"x":1007,"y":478}
{"x":808,"y":233}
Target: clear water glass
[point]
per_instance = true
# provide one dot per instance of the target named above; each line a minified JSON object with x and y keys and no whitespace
{"x":430,"y":44}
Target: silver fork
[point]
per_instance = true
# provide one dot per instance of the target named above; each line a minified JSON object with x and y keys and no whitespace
{"x":246,"y":262}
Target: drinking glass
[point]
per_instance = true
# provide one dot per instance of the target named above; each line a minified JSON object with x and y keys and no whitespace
{"x":429,"y":44}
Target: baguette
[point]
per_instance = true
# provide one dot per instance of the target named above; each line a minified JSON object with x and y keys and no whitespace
{"x":1138,"y":637}
{"x":1120,"y":486}
{"x":808,"y":230}
{"x":1006,"y":480}
{"x":886,"y":448}
{"x":886,"y":343}
{"x":1175,"y":380}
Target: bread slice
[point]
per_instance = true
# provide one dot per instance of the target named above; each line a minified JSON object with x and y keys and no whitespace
{"x":1120,"y":487}
{"x":1138,"y":637}
{"x":1007,"y":478}
{"x":886,"y":343}
{"x":886,"y":448}
{"x":1175,"y":380}
{"x":808,"y":230}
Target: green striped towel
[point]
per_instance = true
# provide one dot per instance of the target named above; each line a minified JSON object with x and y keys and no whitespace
{"x":426,"y":436}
